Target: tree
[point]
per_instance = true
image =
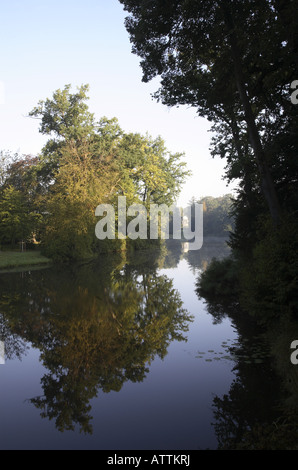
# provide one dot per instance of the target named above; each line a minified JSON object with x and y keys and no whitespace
{"x":66,"y":115}
{"x":6,"y":160}
{"x":204,"y":60}
{"x":156,"y":174}
{"x":76,"y":172}
{"x":80,"y":185}
{"x":21,"y":216}
{"x":87,"y":163}
{"x":67,"y":120}
{"x":16,"y":223}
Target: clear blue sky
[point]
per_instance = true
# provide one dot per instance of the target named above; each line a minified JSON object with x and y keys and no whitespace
{"x":46,"y":44}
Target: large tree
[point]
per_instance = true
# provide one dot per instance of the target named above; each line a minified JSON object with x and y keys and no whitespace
{"x":78,"y":171}
{"x":229,"y":59}
{"x":87,"y":163}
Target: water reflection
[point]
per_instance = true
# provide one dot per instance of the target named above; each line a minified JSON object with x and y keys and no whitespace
{"x":198,"y":260}
{"x":96,"y":325}
{"x":260,"y":410}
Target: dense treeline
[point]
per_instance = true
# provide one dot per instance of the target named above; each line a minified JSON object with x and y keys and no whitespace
{"x":50,"y":199}
{"x":236,"y":63}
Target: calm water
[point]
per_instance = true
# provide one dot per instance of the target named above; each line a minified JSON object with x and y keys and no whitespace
{"x":122,"y":354}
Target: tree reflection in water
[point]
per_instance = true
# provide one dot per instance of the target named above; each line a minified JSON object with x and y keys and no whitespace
{"x":96,"y":325}
{"x":260,"y":410}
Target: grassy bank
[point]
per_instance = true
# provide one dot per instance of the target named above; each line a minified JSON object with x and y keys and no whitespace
{"x":15,"y":259}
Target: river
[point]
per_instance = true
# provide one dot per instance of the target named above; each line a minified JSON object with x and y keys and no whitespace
{"x":121,"y":353}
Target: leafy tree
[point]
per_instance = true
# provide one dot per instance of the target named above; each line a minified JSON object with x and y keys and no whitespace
{"x":66,"y":115}
{"x":204,"y":60}
{"x":156,"y":174}
{"x":6,"y":160}
{"x":16,"y":223}
{"x":24,"y":174}
{"x":87,"y":163}
{"x":67,"y":120}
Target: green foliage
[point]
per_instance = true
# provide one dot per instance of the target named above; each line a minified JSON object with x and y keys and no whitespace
{"x":16,"y":223}
{"x":149,"y":172}
{"x":219,"y":280}
{"x":70,"y":202}
{"x":52,"y":198}
{"x":66,"y":115}
{"x":21,"y":216}
{"x":203,"y":59}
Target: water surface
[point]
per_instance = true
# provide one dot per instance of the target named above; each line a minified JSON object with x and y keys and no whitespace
{"x":120,"y":353}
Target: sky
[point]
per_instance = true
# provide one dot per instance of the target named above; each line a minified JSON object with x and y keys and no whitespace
{"x":46,"y":44}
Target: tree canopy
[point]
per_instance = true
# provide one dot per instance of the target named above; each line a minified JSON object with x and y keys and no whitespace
{"x":241,"y":82}
{"x":52,"y":197}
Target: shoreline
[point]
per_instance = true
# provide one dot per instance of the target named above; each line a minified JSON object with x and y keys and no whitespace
{"x":10,"y":260}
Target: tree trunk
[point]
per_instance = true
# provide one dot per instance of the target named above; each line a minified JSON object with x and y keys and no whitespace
{"x":267,"y":184}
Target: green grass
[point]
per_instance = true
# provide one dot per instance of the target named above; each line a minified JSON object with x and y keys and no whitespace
{"x":15,"y":259}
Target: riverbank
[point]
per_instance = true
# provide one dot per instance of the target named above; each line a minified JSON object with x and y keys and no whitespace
{"x":16,"y":259}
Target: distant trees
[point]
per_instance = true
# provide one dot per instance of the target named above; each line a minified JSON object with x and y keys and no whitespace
{"x":217,"y":215}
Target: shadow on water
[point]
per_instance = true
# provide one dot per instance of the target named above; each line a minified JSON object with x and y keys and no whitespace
{"x":260,"y":410}
{"x":96,"y":326}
